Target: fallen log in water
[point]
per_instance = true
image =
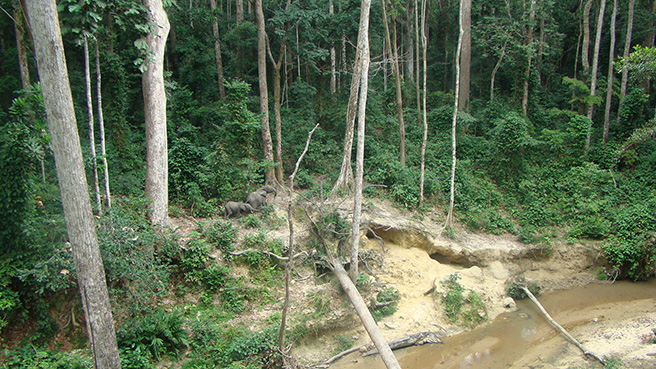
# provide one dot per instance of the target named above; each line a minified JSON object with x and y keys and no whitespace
{"x":561,"y":329}
{"x":416,"y":339}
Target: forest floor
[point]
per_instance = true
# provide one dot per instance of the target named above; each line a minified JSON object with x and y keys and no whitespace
{"x":415,"y":255}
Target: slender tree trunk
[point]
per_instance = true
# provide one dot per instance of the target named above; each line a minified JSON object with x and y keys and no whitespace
{"x":21,"y":45}
{"x":267,"y":146}
{"x":586,"y":36}
{"x":333,"y":61}
{"x":157,"y":185}
{"x":345,"y":180}
{"x":359,"y":159}
{"x":595,"y":67}
{"x":393,"y":55}
{"x":92,"y":139}
{"x":277,"y":98}
{"x":627,"y":49}
{"x":424,"y":42}
{"x":496,"y":69}
{"x":101,"y":128}
{"x":57,"y":98}
{"x":465,"y":58}
{"x":611,"y":60}
{"x":417,"y":92}
{"x":217,"y":49}
{"x":239,"y":11}
{"x":529,"y":63}
{"x":449,"y":216}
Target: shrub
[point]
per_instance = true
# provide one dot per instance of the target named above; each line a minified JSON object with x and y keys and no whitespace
{"x":222,"y":235}
{"x":158,"y":333}
{"x":31,"y":357}
{"x":386,"y":303}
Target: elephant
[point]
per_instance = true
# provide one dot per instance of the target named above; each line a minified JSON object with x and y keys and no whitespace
{"x":268,"y":190}
{"x":237,"y":208}
{"x":256,"y":199}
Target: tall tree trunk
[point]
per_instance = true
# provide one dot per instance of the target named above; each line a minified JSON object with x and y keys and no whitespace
{"x":595,"y":67}
{"x":92,"y":140}
{"x":627,"y":49}
{"x":277,"y":97}
{"x":424,"y":43}
{"x":217,"y":49}
{"x":529,"y":63}
{"x":345,"y":180}
{"x":239,"y":11}
{"x":586,"y":36}
{"x":611,"y":60}
{"x":333,"y":60}
{"x":359,"y":158}
{"x":21,"y":45}
{"x":449,"y":216}
{"x":57,"y":98}
{"x":267,"y":146}
{"x":393,"y":55}
{"x":101,"y":128}
{"x":157,"y":185}
{"x":417,"y":92}
{"x":496,"y":69}
{"x":465,"y":57}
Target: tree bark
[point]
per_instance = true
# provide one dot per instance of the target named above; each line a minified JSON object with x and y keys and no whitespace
{"x":627,"y":49}
{"x":611,"y":60}
{"x":267,"y":145}
{"x":345,"y":180}
{"x":585,"y":52}
{"x":449,"y":216}
{"x":496,"y":69}
{"x":465,"y":58}
{"x":595,"y":67}
{"x":217,"y":49}
{"x":529,"y":64}
{"x":277,"y":97}
{"x":333,"y":59}
{"x":157,"y":186}
{"x":21,"y":45}
{"x":359,"y":161}
{"x":101,"y":129}
{"x":424,"y":42}
{"x":365,"y":316}
{"x":290,"y":249}
{"x":239,"y":11}
{"x":92,"y":139}
{"x":396,"y":70}
{"x":49,"y":51}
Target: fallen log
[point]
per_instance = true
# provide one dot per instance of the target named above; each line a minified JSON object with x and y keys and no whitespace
{"x":416,"y":339}
{"x":561,"y":329}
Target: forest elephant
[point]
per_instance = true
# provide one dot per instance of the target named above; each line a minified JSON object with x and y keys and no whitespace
{"x":237,"y":208}
{"x":268,"y":190}
{"x":256,"y":199}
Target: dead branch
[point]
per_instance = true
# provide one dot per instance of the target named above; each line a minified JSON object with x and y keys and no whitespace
{"x":416,"y":339}
{"x":283,"y":258}
{"x":382,"y":243}
{"x":561,"y":329}
{"x":344,"y":353}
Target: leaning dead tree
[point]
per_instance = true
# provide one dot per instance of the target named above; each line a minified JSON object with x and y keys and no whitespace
{"x":290,"y":250}
{"x":561,"y":329}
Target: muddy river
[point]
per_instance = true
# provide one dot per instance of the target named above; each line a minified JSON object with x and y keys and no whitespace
{"x":604,"y":317}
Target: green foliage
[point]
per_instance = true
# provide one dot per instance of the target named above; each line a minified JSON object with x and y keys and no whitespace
{"x":194,"y":259}
{"x":386,"y":303}
{"x":516,"y":292}
{"x":452,"y":298}
{"x":156,"y":334}
{"x":342,"y":344}
{"x":221,"y":235}
{"x":31,"y":357}
{"x":458,"y":307}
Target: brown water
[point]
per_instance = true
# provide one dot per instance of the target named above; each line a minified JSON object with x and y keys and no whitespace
{"x":510,"y":336}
